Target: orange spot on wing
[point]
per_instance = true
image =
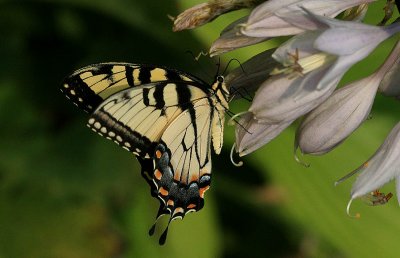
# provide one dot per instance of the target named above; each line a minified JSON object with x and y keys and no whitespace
{"x":157,"y":174}
{"x":163,"y":191}
{"x":191,"y":206}
{"x":177,"y":176}
{"x":203,"y":190}
{"x":194,"y":178}
{"x":158,"y":154}
{"x":178,"y":210}
{"x":170,"y":202}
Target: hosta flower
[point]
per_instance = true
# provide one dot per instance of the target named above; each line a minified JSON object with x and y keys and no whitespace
{"x":335,"y":119}
{"x":301,"y":76}
{"x":390,"y":85}
{"x":381,"y":168}
{"x":231,"y":38}
{"x":322,"y":57}
{"x":270,"y":19}
{"x":281,"y":99}
{"x":251,"y":134}
{"x":206,"y":12}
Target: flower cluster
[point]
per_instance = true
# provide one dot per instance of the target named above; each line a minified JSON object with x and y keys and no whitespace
{"x":300,"y":78}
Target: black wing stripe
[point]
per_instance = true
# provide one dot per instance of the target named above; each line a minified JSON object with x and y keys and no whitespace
{"x":184,"y":96}
{"x":173,"y":76}
{"x":159,"y":96}
{"x":146,"y":99}
{"x":129,"y":76}
{"x":145,"y":75}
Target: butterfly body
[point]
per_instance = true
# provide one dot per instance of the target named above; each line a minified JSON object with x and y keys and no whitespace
{"x":167,"y":118}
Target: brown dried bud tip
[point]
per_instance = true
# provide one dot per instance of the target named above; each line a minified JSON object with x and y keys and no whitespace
{"x":203,"y":13}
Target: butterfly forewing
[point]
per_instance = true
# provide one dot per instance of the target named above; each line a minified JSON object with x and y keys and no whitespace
{"x":89,"y":86}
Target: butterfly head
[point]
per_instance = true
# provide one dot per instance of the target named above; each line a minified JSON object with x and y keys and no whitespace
{"x":221,"y":91}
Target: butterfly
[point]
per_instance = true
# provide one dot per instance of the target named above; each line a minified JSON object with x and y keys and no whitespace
{"x":170,"y":120}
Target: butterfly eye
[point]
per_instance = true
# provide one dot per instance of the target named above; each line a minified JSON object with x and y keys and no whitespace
{"x":220,"y":78}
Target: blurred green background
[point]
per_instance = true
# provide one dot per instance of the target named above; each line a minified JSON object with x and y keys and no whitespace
{"x":67,"y":193}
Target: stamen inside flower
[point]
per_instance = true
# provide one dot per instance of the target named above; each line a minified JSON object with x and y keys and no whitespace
{"x":354,"y":12}
{"x":347,"y":176}
{"x":376,"y":198}
{"x":296,"y":66}
{"x":313,"y":62}
{"x":356,"y":216}
{"x":238,"y":164}
{"x":232,"y":121}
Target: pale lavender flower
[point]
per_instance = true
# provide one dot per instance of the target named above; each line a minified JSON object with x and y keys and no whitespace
{"x":270,"y":19}
{"x":381,"y":168}
{"x":311,"y":65}
{"x":232,"y":37}
{"x":322,"y":56}
{"x":281,"y":99}
{"x":335,"y":119}
{"x":390,"y":85}
{"x":251,"y":134}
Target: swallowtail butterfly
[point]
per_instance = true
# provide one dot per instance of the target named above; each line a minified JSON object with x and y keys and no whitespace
{"x":167,"y":118}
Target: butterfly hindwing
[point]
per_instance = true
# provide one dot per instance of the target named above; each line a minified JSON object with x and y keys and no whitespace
{"x":183,"y":161}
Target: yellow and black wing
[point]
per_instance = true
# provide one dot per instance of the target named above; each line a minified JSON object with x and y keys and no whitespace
{"x":136,"y":118}
{"x":91,"y":85}
{"x":167,"y":118}
{"x":183,"y":160}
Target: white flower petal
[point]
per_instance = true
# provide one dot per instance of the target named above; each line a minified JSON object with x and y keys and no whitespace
{"x":252,"y":135}
{"x":398,"y":189}
{"x":381,"y":168}
{"x":346,"y":41}
{"x":390,"y":84}
{"x":335,"y":119}
{"x":301,"y":44}
{"x":279,"y":18}
{"x":281,"y":99}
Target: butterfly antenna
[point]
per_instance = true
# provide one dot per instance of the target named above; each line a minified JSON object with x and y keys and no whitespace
{"x":218,"y":66}
{"x":230,"y":61}
{"x":245,"y":96}
{"x":196,"y":58}
{"x":190,"y":53}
